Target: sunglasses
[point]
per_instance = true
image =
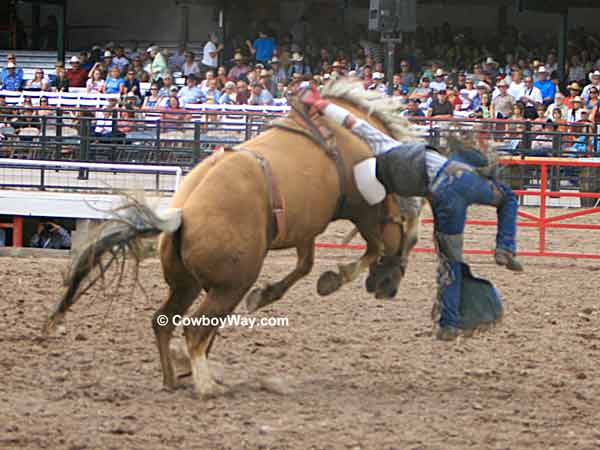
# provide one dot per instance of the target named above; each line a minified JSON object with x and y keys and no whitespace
{"x":153,"y":89}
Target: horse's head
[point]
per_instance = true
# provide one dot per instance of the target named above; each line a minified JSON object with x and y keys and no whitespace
{"x":396,"y":218}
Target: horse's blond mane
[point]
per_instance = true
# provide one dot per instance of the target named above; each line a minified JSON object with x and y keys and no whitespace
{"x":383,"y":108}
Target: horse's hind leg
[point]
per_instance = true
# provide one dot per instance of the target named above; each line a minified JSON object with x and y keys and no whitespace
{"x":179,"y":300}
{"x":261,"y":297}
{"x":217,"y":305}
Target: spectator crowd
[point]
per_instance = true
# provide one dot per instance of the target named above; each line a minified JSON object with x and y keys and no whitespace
{"x":455,"y":77}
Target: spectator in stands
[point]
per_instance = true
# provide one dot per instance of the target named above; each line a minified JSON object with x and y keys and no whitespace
{"x":167,"y":84}
{"x":229,"y":95}
{"x":50,"y":235}
{"x":298,"y":66}
{"x":440,"y":106}
{"x":240,"y":69}
{"x":423,"y":92}
{"x":541,"y":144}
{"x":243,"y":93}
{"x":177,"y":60}
{"x":482,"y":111}
{"x":120,"y":60}
{"x":158,"y":67}
{"x":108,"y":62}
{"x":592,"y":98}
{"x":39,"y":82}
{"x":96,"y":84}
{"x":85,"y":62}
{"x":412,"y":109}
{"x":282,"y":88}
{"x":189,"y":66}
{"x":594,"y":78}
{"x":559,"y":104}
{"x":439,"y":83}
{"x":132,"y":85}
{"x":172,"y":118}
{"x":190,"y":93}
{"x":278,"y":72}
{"x":517,"y":85}
{"x":126,"y":123}
{"x":574,"y":91}
{"x":531,"y":98}
{"x":77,"y":75}
{"x":574,"y":113}
{"x":407,"y":77}
{"x":140,"y":73}
{"x":210,"y":57}
{"x":211,"y":92}
{"x":114,"y":83}
{"x":208,"y":76}
{"x":45,"y":110}
{"x":259,"y":95}
{"x":263,"y":48}
{"x":61,"y":82}
{"x":152,"y":101}
{"x":502,"y":105}
{"x":221,"y":78}
{"x":546,"y":87}
{"x":10,"y":80}
{"x":11,"y":58}
{"x":103,"y":127}
{"x":267,"y":83}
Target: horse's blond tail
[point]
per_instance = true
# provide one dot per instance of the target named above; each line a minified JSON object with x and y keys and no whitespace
{"x":134,"y":220}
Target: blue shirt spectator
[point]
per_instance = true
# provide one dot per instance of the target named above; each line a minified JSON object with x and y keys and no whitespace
{"x":546,"y":87}
{"x":11,"y":79}
{"x":260,"y":96}
{"x":114,"y":82}
{"x":191,"y":93}
{"x":263,"y":48}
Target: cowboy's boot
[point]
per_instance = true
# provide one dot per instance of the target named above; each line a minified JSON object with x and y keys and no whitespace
{"x":506,"y":258}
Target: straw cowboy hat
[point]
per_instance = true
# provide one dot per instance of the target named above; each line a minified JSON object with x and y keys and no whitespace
{"x":238,"y":57}
{"x":574,"y":86}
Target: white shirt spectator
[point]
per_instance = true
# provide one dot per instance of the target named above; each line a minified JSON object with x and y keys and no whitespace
{"x":190,"y":69}
{"x":438,"y":85}
{"x":208,"y":60}
{"x":516,"y":89}
{"x":532,"y":93}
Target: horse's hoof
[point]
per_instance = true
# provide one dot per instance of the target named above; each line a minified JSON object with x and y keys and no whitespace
{"x":254,"y":299}
{"x":328,"y":283}
{"x":209,"y":390}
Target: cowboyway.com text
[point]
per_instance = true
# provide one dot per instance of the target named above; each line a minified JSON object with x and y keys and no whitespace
{"x":233,"y":320}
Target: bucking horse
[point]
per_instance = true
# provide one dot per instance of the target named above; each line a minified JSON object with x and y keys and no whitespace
{"x":278,"y":190}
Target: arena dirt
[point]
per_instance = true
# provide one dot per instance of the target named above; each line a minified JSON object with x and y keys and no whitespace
{"x":349,"y":372}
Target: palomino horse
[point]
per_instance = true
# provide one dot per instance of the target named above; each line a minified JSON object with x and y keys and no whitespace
{"x":221,"y":226}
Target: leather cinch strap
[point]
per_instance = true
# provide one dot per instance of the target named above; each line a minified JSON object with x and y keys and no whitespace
{"x":275,"y":198}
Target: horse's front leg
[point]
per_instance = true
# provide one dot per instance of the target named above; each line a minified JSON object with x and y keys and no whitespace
{"x":330,"y":281}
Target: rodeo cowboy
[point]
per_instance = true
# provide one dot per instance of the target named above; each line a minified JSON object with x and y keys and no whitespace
{"x":415,"y":169}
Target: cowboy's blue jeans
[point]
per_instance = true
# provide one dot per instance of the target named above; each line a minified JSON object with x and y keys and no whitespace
{"x":455,"y":188}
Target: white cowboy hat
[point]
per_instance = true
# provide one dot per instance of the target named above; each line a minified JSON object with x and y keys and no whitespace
{"x":297,"y":57}
{"x":107,"y":54}
{"x":439,"y":73}
{"x":367,"y":183}
{"x":74,"y":59}
{"x":490,"y":60}
{"x":378,"y":76}
{"x":542,"y":69}
{"x":595,"y":73}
